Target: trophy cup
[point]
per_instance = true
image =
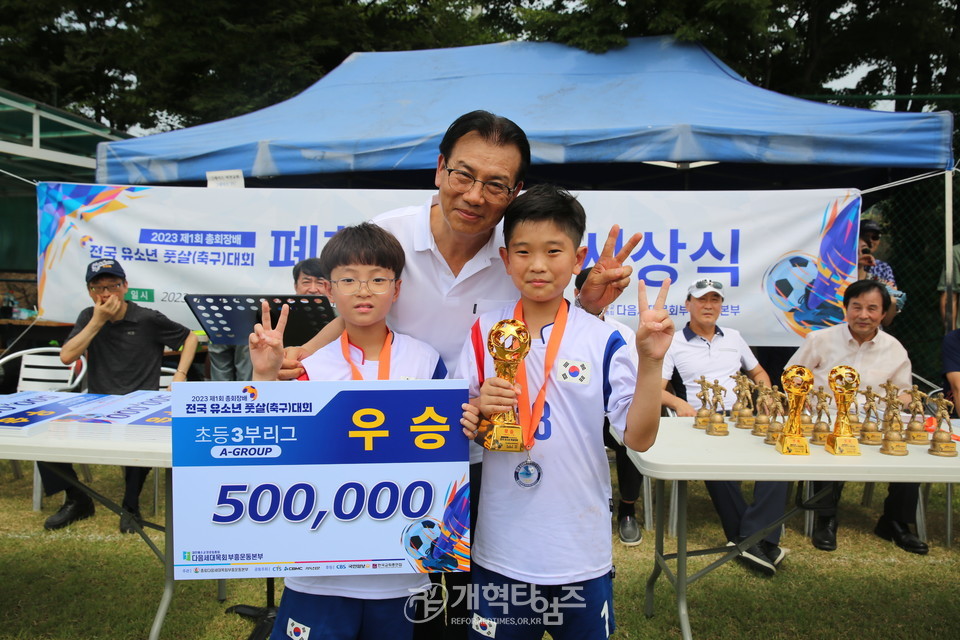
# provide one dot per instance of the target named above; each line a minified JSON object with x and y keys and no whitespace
{"x":797,"y":381}
{"x":844,"y":381}
{"x":942,"y":444}
{"x":702,"y":418}
{"x":717,"y":425}
{"x":508,"y":343}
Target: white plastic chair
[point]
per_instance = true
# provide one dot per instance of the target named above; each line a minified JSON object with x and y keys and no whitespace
{"x":42,"y":370}
{"x":166,"y":376}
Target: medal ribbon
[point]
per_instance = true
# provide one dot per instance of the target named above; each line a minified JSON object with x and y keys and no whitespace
{"x":529,"y":420}
{"x":383,"y":366}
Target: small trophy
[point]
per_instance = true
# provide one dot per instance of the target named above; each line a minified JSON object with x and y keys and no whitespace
{"x":893,"y":444}
{"x":821,"y":428}
{"x":717,"y":425}
{"x":761,"y":423}
{"x":942,"y":444}
{"x":844,"y":381}
{"x":702,"y":418}
{"x":869,"y":431}
{"x":916,"y":434}
{"x":797,"y":381}
{"x":508,"y":343}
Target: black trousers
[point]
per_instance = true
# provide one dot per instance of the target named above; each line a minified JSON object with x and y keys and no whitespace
{"x":629,"y":477}
{"x":133,"y":477}
{"x":900,"y":505}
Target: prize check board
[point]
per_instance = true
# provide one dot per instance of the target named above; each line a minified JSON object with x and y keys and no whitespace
{"x":319,"y":478}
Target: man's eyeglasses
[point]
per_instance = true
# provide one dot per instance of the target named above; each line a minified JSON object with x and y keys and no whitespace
{"x":106,"y":288}
{"x":462,"y":182}
{"x":351,"y":286}
{"x":707,"y":283}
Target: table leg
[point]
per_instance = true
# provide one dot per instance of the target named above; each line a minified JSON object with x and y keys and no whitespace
{"x":658,"y":548}
{"x":168,"y":583}
{"x":682,"y":559}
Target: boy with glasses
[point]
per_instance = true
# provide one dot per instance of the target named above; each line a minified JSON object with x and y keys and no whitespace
{"x":360,"y":269}
{"x":124,"y":343}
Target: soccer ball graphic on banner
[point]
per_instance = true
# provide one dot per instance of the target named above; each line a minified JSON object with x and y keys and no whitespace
{"x":436,"y":546}
{"x":788,"y":281}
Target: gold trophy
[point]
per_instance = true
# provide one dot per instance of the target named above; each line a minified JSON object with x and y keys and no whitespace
{"x":821,"y":428}
{"x":702,"y":418}
{"x":508,"y":343}
{"x":869,"y":431}
{"x":797,"y":381}
{"x":761,"y":423}
{"x":916,"y":434}
{"x":717,"y":425}
{"x":844,"y":381}
{"x":942,"y":444}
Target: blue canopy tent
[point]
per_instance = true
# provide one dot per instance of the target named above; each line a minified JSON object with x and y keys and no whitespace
{"x":594,"y":121}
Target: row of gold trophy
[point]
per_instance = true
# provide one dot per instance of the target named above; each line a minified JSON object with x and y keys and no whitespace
{"x":765,"y":415}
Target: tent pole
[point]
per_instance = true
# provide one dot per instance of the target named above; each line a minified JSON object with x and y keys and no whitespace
{"x":949,"y":305}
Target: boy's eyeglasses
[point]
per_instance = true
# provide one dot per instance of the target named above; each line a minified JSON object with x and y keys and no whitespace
{"x":705,"y":283}
{"x":106,"y":288}
{"x":351,"y":286}
{"x":462,"y":182}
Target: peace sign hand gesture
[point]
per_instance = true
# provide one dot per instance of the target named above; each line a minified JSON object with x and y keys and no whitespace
{"x":655,"y":328}
{"x":266,"y":344}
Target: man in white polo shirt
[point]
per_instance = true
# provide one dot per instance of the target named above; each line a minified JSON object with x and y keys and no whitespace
{"x":704,"y":349}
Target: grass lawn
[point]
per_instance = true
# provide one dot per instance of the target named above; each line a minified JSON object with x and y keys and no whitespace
{"x":90,"y":582}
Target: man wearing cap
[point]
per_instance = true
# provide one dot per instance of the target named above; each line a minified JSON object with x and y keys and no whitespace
{"x":704,"y":349}
{"x":124,"y":343}
{"x":870,"y":268}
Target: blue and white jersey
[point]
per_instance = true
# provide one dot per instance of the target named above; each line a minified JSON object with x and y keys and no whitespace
{"x":557,"y":532}
{"x":410,"y":359}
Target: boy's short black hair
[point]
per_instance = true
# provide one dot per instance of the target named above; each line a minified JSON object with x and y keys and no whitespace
{"x":309,"y":267}
{"x":546,"y":202}
{"x":365,"y":243}
{"x":495,"y":129}
{"x":861,"y":287}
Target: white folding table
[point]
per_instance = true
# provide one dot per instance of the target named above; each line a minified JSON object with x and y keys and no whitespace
{"x":683,"y":453}
{"x":110,"y":444}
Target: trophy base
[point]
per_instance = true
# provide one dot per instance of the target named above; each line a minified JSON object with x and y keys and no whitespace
{"x":842,"y":445}
{"x":819,"y":438}
{"x":772,"y":436}
{"x":718,"y":429}
{"x":807,"y":429}
{"x":701,"y":422}
{"x":918,"y":437}
{"x":943,"y":449}
{"x":759,"y":429}
{"x":745,"y":420}
{"x":792,"y":445}
{"x":895,"y":448}
{"x":871,"y":438}
{"x":502,"y":437}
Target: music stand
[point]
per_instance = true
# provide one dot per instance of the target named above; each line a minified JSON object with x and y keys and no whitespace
{"x":229,"y":319}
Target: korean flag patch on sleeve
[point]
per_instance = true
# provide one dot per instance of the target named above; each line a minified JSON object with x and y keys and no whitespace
{"x":573,"y":371}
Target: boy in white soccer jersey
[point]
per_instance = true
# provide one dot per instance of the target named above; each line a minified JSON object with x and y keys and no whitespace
{"x":542,"y":558}
{"x":361,"y":268}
